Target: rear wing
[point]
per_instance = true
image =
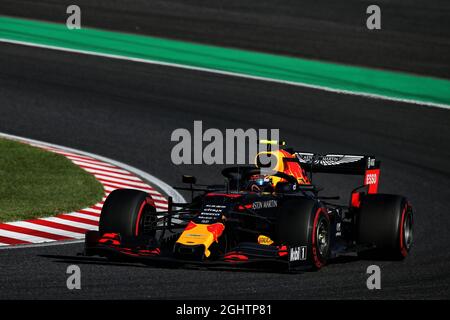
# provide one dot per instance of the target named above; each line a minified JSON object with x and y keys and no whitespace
{"x":343,"y":164}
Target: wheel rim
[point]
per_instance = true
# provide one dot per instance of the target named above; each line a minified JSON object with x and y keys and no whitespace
{"x":407,"y":230}
{"x":147,"y":220}
{"x":322,"y":237}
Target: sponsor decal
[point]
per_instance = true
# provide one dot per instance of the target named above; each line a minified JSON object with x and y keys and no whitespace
{"x":210,"y":213}
{"x":338,"y":229}
{"x":265,"y":240}
{"x":371,"y":179}
{"x":297,"y":253}
{"x":326,"y":160}
{"x":264,"y":204}
{"x":370,"y":163}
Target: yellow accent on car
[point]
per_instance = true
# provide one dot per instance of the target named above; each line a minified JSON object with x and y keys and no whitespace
{"x":196,"y":236}
{"x":265,"y":240}
{"x":273,"y":142}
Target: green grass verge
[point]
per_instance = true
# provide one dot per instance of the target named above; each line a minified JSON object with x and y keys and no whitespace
{"x":36,"y":183}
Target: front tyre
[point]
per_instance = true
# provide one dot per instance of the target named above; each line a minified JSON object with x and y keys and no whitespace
{"x":126,"y":211}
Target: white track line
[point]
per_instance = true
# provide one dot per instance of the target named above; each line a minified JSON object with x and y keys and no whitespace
{"x":90,"y":162}
{"x":43,"y":244}
{"x":154,"y":196}
{"x":93,"y":210}
{"x":71,"y":223}
{"x":122,"y":186}
{"x":228,"y":73}
{"x":91,"y":166}
{"x":110,"y":175}
{"x":23,"y":236}
{"x":106,"y":177}
{"x":82,"y":215}
{"x":51,"y":230}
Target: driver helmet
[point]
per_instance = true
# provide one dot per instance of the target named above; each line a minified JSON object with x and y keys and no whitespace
{"x":260,"y":183}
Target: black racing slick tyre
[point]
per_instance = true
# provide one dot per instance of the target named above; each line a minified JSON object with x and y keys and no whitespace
{"x":124,"y":211}
{"x":385,"y":224}
{"x":304,"y":223}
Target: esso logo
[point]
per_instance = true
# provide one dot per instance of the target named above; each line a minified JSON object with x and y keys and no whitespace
{"x":371,"y":178}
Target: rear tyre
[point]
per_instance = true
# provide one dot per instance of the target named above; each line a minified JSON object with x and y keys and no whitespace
{"x":305,"y":223}
{"x":125,"y":211}
{"x":385,"y":224}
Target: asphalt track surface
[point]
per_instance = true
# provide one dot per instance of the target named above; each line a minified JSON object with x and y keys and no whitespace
{"x":127,"y":111}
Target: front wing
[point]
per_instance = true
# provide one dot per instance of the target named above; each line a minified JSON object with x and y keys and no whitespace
{"x":142,"y":250}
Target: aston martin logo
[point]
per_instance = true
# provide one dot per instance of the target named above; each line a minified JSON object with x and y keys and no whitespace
{"x":326,"y":160}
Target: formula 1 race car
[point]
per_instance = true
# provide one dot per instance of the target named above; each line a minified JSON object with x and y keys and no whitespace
{"x":259,"y":219}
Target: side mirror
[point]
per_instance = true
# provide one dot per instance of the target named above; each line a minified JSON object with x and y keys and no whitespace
{"x":189,"y":179}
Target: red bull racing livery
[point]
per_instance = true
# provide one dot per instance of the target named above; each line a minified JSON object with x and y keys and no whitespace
{"x":276,"y":219}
